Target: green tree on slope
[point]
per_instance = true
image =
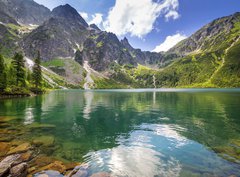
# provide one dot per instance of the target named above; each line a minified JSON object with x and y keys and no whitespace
{"x":3,"y":76}
{"x":37,"y":72}
{"x":19,"y":67}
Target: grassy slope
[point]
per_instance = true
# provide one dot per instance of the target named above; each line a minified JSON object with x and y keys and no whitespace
{"x":218,"y":65}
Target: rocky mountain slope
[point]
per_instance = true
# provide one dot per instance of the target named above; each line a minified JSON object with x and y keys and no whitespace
{"x":72,"y":48}
{"x":25,"y":11}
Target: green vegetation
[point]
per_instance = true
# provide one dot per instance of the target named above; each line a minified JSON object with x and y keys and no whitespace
{"x":3,"y":76}
{"x":37,"y":72}
{"x":55,"y":62}
{"x":16,"y":79}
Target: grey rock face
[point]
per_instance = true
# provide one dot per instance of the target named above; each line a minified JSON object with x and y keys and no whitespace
{"x":211,"y":34}
{"x":59,"y":36}
{"x":25,"y":11}
{"x":102,"y":49}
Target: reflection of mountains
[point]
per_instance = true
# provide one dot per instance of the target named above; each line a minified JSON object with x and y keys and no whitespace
{"x":203,"y":115}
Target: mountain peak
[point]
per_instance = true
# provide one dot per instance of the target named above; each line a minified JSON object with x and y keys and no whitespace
{"x":94,"y":26}
{"x":68,"y":12}
{"x":125,"y":43}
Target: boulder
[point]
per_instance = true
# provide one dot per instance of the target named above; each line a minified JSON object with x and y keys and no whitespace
{"x":19,"y":170}
{"x":8,"y":162}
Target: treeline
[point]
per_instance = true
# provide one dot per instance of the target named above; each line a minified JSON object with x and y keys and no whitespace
{"x":16,"y":79}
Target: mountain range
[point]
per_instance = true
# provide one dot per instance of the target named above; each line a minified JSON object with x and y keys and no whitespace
{"x":80,"y":55}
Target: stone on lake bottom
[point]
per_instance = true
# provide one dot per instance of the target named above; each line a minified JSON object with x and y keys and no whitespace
{"x":56,"y":166}
{"x":20,"y":149}
{"x":48,"y":173}
{"x":4,"y":148}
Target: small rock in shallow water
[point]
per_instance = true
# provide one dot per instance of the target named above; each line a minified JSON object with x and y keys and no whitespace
{"x":49,"y":173}
{"x":80,"y":171}
{"x":19,"y":170}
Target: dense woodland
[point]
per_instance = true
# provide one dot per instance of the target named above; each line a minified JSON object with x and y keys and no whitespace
{"x":17,"y":79}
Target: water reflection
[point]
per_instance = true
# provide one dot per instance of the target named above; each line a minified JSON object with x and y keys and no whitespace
{"x":136,"y":133}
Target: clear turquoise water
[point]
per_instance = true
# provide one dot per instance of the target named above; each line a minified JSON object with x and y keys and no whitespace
{"x":166,"y":132}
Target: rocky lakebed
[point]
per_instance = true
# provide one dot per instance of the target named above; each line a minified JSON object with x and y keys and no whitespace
{"x":21,"y":157}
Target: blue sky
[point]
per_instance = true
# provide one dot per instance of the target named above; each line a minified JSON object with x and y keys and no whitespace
{"x":150,"y":24}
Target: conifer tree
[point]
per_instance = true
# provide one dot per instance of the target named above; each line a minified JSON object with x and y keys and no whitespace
{"x":37,"y":72}
{"x":19,"y":67}
{"x":3,"y":76}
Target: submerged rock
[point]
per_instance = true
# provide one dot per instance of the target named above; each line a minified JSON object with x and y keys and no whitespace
{"x":44,"y":140}
{"x":20,"y":149}
{"x":4,"y":148}
{"x":49,"y":173}
{"x":57,"y":166}
{"x":19,"y":170}
{"x":80,"y":171}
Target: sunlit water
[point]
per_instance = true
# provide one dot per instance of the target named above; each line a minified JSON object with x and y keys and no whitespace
{"x":136,"y":133}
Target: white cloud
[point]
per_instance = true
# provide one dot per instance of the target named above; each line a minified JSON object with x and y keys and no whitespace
{"x":84,"y":15}
{"x":138,"y":17}
{"x":172,"y":14}
{"x":97,"y":19}
{"x":169,"y":42}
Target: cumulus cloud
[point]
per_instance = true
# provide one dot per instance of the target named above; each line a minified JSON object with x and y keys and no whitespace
{"x":136,"y":17}
{"x":169,"y":42}
{"x":97,"y":19}
{"x":172,"y":14}
{"x":84,"y":15}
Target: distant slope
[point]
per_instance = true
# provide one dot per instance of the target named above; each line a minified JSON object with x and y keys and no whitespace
{"x":211,"y":57}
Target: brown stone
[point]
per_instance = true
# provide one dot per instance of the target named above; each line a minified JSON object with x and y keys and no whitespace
{"x":20,"y":149}
{"x":26,"y":156}
{"x":4,"y":148}
{"x":19,"y":170}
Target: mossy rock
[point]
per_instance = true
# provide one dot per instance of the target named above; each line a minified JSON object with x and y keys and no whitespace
{"x":41,"y":126}
{"x":44,"y":140}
